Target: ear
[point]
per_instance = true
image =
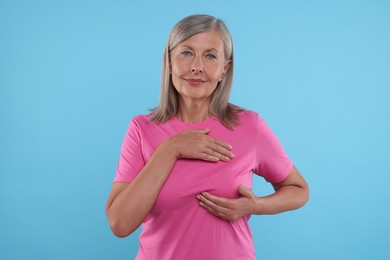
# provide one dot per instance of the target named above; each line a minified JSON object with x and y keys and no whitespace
{"x":226,"y":68}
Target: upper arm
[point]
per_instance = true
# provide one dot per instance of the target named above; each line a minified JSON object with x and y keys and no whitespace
{"x":294,"y":178}
{"x":271,"y":159}
{"x":131,"y":159}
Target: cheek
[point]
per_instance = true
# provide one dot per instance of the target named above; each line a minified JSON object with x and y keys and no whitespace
{"x":177,"y":70}
{"x":176,"y":80}
{"x":214,"y":71}
{"x":179,"y":66}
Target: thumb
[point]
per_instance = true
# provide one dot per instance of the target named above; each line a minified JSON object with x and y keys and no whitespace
{"x":244,"y":191}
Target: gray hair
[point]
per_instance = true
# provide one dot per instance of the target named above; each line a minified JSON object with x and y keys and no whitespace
{"x":219,"y":105}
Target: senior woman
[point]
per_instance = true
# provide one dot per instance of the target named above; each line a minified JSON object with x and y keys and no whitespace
{"x":185,"y":170}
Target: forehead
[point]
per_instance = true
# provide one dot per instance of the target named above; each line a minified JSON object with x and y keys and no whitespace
{"x":204,"y":41}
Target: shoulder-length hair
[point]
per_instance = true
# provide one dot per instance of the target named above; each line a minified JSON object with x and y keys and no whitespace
{"x":219,"y":105}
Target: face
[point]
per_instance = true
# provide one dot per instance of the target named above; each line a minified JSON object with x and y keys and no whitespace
{"x":197,"y":65}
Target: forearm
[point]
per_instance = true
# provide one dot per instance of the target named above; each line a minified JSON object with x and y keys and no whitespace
{"x":284,"y":199}
{"x":128,"y":205}
{"x":131,"y":205}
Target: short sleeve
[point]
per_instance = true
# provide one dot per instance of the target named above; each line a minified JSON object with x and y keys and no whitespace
{"x":131,"y":160}
{"x":272,"y":162}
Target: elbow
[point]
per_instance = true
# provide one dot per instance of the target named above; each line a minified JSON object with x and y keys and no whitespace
{"x":120,"y":227}
{"x":304,"y":196}
{"x":121,"y":230}
{"x":298,"y":200}
{"x":300,"y":197}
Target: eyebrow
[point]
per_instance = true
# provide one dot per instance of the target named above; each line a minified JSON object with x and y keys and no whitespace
{"x":208,"y":50}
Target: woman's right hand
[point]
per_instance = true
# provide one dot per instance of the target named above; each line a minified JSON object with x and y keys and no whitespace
{"x":129,"y":204}
{"x":197,"y":144}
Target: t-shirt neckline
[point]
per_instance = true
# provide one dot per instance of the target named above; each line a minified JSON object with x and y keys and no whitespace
{"x":204,"y":123}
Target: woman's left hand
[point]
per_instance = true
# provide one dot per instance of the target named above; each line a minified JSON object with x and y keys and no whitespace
{"x":229,"y":209}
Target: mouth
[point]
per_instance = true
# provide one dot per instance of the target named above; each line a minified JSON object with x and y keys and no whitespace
{"x":195,"y":82}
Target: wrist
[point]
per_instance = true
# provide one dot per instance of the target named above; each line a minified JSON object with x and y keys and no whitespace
{"x":168,"y":148}
{"x":259,"y":206}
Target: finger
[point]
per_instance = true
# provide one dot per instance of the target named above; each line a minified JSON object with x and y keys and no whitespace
{"x":211,"y":207}
{"x":244,"y":191}
{"x":221,"y":143}
{"x":213,"y":211}
{"x":221,"y":212}
{"x":210,"y":200}
{"x":210,"y":152}
{"x":222,"y":151}
{"x":208,"y":157}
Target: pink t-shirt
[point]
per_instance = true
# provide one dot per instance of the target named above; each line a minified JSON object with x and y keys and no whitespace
{"x":177,"y":227}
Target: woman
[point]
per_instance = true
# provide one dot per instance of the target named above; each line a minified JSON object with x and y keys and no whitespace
{"x":185,"y":170}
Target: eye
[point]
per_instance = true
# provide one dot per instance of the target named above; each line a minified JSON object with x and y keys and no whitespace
{"x":186,"y":53}
{"x":211,"y":56}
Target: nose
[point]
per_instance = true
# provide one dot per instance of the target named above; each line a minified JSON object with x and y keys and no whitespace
{"x":197,"y":65}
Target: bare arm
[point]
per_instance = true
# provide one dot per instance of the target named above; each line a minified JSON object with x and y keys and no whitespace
{"x":129,"y":204}
{"x":290,"y":194}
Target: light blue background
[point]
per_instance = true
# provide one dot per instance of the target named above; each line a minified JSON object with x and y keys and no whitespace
{"x":73,"y":73}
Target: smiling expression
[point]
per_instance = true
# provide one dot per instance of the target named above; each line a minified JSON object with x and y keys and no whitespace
{"x":197,"y":65}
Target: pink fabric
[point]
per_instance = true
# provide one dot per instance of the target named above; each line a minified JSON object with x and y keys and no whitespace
{"x":177,"y":227}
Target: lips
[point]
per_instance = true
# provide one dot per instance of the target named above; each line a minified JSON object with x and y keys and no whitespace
{"x":195,"y":82}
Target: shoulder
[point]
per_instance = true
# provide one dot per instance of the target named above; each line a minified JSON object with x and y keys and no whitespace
{"x":249,"y":117}
{"x":139,"y":122}
{"x":253,"y":122}
{"x":143,"y":121}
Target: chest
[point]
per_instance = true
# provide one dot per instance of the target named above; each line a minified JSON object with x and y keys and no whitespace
{"x":191,"y":177}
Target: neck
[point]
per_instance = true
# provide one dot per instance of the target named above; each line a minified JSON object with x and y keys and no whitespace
{"x":193,"y":112}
